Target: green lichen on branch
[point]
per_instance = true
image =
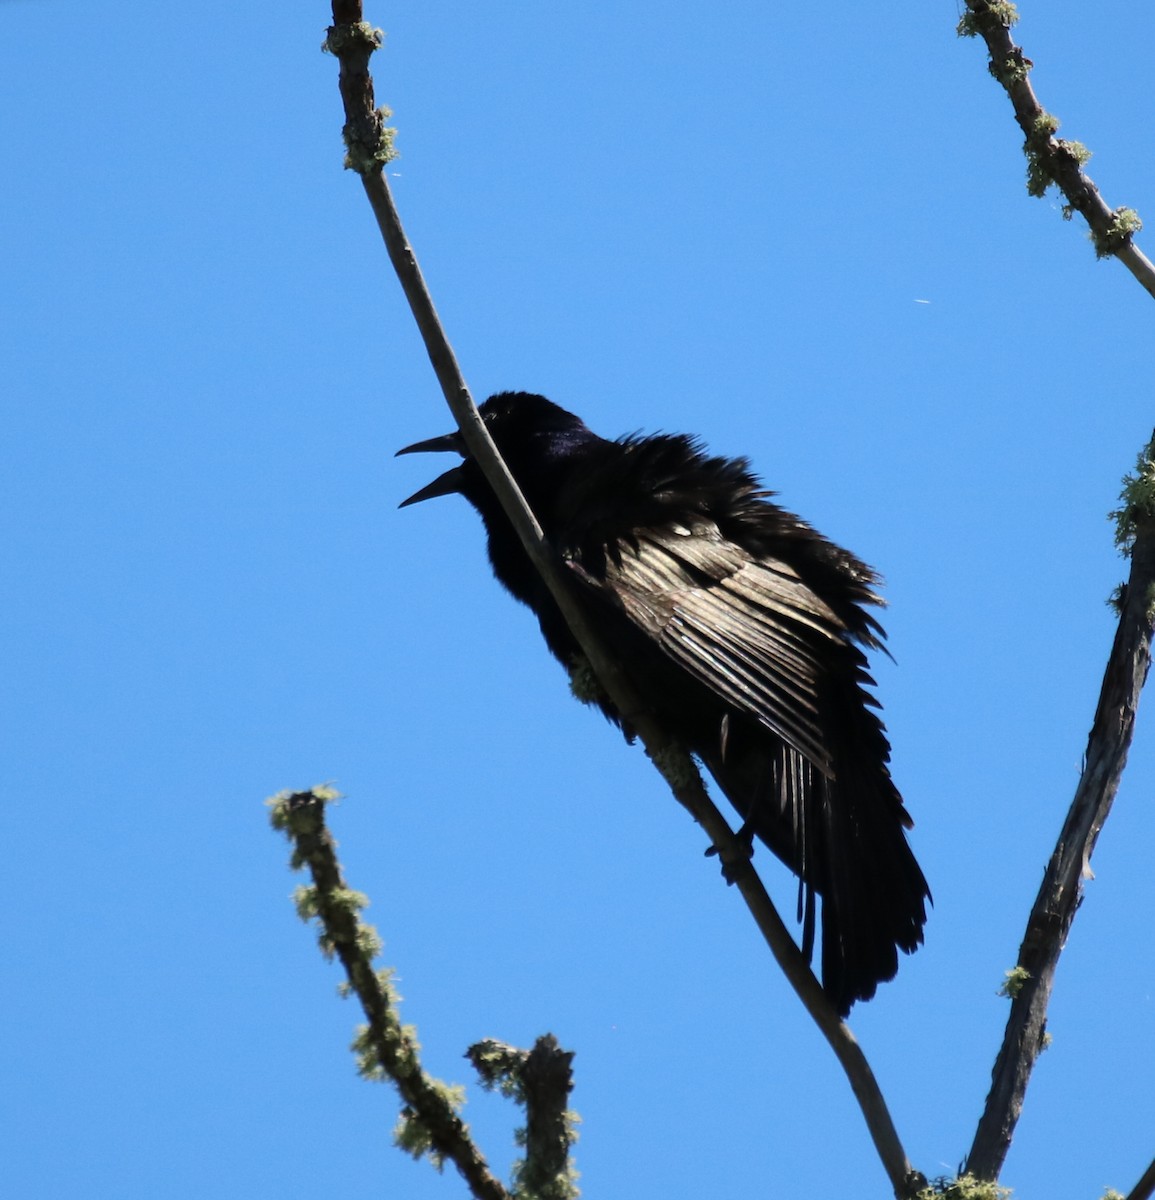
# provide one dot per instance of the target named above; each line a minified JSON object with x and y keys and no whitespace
{"x":1125,"y":222}
{"x":540,"y":1081}
{"x":562,"y":1185}
{"x":1014,"y":981}
{"x":369,"y":139}
{"x":982,"y":18}
{"x":1051,"y":161}
{"x":387,"y":1049}
{"x":289,"y":817}
{"x":384,"y":1048}
{"x":364,"y":154}
{"x":351,"y":36}
{"x":1046,"y":153}
{"x":965,"y":1187}
{"x":1012,"y":70}
{"x":499,"y":1067}
{"x":413,"y":1134}
{"x":1136,"y":500}
{"x":988,"y":20}
{"x":344,"y":900}
{"x":676,"y":766}
{"x":583,"y":681}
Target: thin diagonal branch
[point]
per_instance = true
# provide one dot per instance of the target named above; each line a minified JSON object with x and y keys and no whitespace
{"x":348,"y":41}
{"x":387,"y":1049}
{"x":1061,"y":890}
{"x":1051,"y":159}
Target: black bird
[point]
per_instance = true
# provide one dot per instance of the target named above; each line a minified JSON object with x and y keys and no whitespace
{"x":740,"y":626}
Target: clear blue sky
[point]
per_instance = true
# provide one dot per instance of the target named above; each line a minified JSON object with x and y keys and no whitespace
{"x":804,"y":237}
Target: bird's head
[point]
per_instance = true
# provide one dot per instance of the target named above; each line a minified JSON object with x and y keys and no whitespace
{"x":531,"y":433}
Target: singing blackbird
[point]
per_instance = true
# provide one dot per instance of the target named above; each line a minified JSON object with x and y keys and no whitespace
{"x":742,"y":628}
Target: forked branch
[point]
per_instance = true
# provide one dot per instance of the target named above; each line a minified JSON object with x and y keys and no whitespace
{"x":386,"y":1049}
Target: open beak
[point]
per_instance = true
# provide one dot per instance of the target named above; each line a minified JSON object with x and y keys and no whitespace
{"x":443,"y":485}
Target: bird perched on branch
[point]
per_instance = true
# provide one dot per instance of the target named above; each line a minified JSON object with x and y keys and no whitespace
{"x":741,"y":628}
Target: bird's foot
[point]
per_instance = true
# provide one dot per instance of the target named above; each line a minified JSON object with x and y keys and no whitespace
{"x":732,"y":868}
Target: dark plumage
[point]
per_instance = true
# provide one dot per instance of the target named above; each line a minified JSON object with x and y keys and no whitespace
{"x":740,"y":627}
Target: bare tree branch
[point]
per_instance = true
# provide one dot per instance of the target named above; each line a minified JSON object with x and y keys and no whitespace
{"x":369,"y":144}
{"x":1061,"y":890}
{"x":386,"y":1048}
{"x":1058,"y":161}
{"x":1051,"y":159}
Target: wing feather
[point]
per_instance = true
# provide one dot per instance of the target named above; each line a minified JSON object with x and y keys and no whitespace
{"x":747,"y":628}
